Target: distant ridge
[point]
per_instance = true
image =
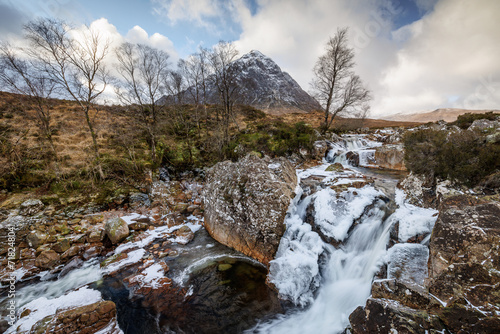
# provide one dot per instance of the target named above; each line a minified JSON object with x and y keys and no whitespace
{"x":445,"y":114}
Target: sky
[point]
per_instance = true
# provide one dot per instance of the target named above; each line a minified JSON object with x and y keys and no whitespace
{"x":414,"y":55}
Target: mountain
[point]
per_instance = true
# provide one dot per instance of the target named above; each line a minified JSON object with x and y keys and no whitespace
{"x":445,"y":114}
{"x":263,"y":85}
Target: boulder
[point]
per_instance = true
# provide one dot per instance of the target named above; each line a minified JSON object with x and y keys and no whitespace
{"x":246,"y":203}
{"x":47,"y":259}
{"x":386,"y":316}
{"x":116,"y":230}
{"x":390,"y":157}
{"x":465,"y":231}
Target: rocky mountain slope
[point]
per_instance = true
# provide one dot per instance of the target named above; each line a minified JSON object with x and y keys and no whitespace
{"x":445,"y":114}
{"x":263,"y":85}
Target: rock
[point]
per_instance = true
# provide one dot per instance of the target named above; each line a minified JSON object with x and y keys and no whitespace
{"x":336,"y":167}
{"x":47,"y":259}
{"x":71,"y":265}
{"x":116,"y":230}
{"x":385,"y":316}
{"x":62,"y":245}
{"x":31,"y":207}
{"x":137,"y":200}
{"x":72,"y":251}
{"x":406,"y":293}
{"x":94,"y":218}
{"x":321,"y":147}
{"x":464,"y":233}
{"x":484,"y":124}
{"x":80,"y":320}
{"x":419,"y":191}
{"x":36,"y":239}
{"x":246,"y":203}
{"x":390,"y":157}
{"x":352,"y":158}
{"x":184,"y":235}
{"x":163,"y":174}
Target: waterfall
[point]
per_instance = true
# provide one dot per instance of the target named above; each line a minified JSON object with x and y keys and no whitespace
{"x":327,"y":280}
{"x":353,"y":150}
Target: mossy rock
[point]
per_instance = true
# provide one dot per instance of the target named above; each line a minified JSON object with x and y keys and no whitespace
{"x":336,"y":167}
{"x":113,"y":259}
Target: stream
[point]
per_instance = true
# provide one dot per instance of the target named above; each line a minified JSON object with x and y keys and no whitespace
{"x":337,"y":241}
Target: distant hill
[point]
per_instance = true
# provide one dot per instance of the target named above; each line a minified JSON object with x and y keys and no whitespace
{"x":445,"y":114}
{"x":263,"y":85}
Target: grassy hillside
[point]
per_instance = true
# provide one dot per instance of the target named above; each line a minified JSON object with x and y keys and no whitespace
{"x":188,"y":139}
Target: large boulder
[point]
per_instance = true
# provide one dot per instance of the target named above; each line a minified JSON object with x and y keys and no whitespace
{"x":116,"y":230}
{"x":390,"y":157}
{"x":246,"y":204}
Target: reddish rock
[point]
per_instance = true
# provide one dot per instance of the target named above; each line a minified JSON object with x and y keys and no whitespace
{"x":47,"y":259}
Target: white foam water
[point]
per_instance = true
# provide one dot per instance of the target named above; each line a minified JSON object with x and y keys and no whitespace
{"x":346,"y":281}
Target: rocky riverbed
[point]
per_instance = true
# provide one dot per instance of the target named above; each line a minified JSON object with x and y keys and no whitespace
{"x":261,"y":245}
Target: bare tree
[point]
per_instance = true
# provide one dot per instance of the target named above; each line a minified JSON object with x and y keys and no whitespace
{"x":221,"y":56}
{"x":195,"y":69}
{"x":143,"y":70}
{"x":75,"y":63}
{"x":20,"y":76}
{"x":335,"y":85}
{"x":176,"y":86}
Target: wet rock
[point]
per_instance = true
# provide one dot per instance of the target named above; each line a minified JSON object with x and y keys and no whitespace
{"x":71,"y":265}
{"x":116,"y":230}
{"x":352,"y":158}
{"x":390,"y":157}
{"x":184,"y":235}
{"x":246,"y":203}
{"x":31,"y":207}
{"x":47,"y":259}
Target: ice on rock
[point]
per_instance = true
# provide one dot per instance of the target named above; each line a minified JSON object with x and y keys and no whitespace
{"x":408,"y":262}
{"x":335,"y":214}
{"x":412,"y":220}
{"x":42,"y":307}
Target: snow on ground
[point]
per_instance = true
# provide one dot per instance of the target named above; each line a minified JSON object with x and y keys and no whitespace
{"x":42,"y":307}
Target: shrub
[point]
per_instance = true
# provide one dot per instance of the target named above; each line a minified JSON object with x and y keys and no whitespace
{"x":465,"y":120}
{"x":463,"y":156}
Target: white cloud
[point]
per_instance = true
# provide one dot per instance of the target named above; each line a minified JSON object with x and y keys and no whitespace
{"x":449,"y":60}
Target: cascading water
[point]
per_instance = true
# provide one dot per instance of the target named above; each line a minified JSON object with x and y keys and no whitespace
{"x":327,"y":283}
{"x":353,"y":145}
